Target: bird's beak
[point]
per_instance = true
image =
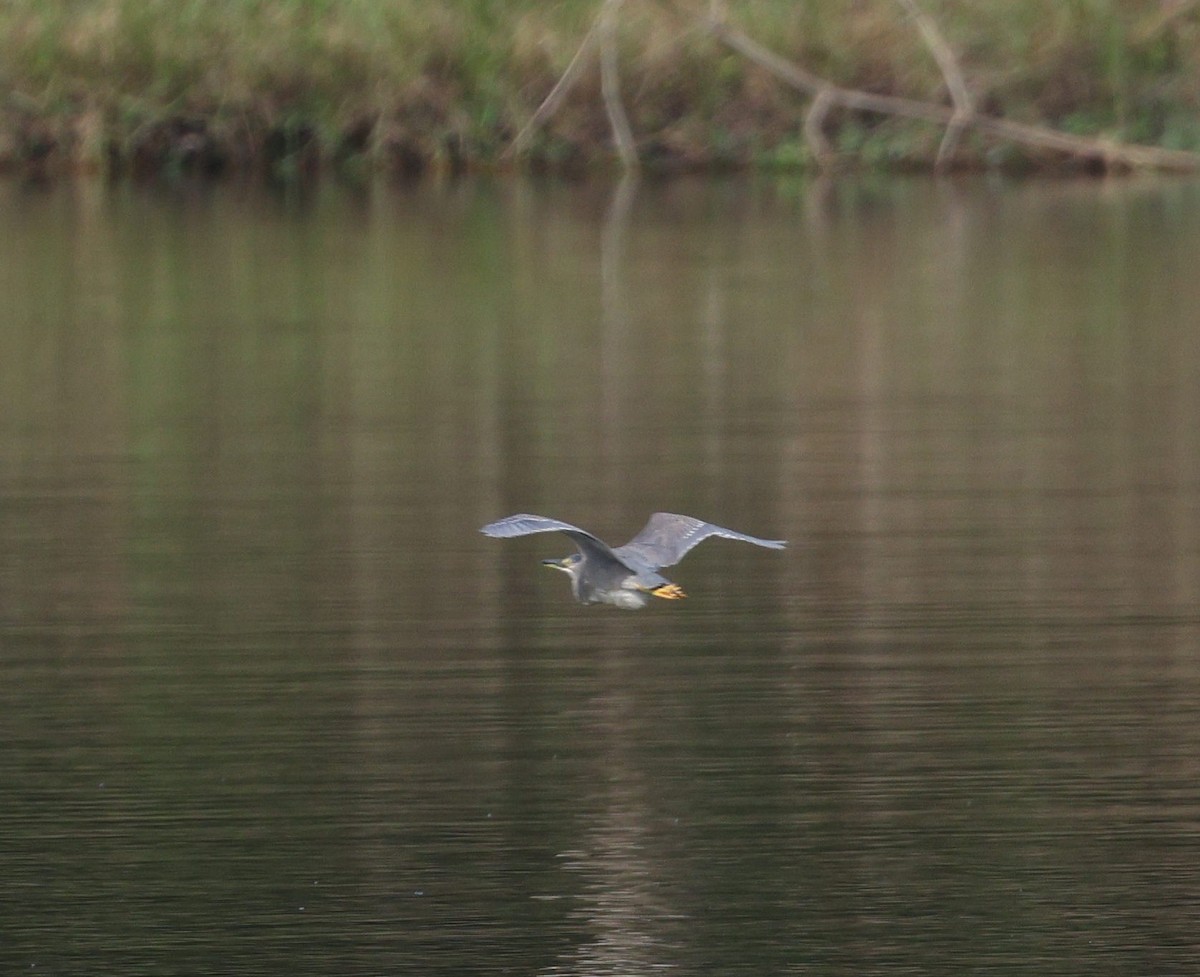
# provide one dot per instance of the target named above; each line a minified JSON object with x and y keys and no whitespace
{"x":556,"y":564}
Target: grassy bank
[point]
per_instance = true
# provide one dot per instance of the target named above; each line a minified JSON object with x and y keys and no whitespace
{"x":408,"y":85}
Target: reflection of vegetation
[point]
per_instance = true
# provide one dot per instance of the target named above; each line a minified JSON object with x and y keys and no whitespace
{"x":153,"y":84}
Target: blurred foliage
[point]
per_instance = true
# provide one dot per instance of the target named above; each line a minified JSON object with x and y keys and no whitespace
{"x":451,"y":83}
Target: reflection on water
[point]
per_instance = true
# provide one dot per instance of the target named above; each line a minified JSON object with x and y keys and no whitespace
{"x":269,"y":703}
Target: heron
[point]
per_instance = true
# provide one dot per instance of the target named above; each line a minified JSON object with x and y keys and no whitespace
{"x":624,"y":576}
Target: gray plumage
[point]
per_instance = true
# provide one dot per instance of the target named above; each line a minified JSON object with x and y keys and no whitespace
{"x":625,"y":576}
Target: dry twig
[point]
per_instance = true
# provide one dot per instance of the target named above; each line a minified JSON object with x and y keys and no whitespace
{"x":814,"y":127}
{"x":603,"y":32}
{"x":564,"y":84}
{"x":610,"y":86}
{"x":1108,"y":152}
{"x":957,"y":118}
{"x":960,"y":95}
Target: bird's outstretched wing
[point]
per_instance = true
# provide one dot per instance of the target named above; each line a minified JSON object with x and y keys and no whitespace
{"x":525,"y":524}
{"x":667,"y":537}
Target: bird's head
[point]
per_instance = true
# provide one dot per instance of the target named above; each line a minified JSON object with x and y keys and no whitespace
{"x":567,"y":564}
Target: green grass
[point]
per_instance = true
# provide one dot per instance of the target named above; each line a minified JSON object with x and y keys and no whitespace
{"x":407,"y":82}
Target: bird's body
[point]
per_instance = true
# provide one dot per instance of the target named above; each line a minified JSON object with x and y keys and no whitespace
{"x":624,"y":576}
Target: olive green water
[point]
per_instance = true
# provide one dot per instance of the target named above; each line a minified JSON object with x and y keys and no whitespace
{"x":269,"y":704}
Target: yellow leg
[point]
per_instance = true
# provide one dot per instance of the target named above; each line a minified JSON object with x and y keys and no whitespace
{"x":669,"y":591}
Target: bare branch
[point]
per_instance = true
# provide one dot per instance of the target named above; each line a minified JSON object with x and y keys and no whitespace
{"x":960,"y":95}
{"x":610,"y":85}
{"x":949,"y":143}
{"x":957,"y":118}
{"x":564,"y":84}
{"x":946,"y":61}
{"x":1110,"y":153}
{"x":794,"y":75}
{"x":814,"y":127}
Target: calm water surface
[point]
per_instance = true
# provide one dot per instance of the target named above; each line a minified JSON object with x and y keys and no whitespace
{"x":269,"y":704}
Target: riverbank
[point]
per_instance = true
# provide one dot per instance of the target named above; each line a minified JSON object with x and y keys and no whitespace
{"x":298,"y":86}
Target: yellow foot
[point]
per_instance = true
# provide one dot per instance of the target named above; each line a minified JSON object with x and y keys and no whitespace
{"x":669,"y":591}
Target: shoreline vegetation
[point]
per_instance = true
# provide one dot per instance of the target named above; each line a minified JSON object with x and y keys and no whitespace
{"x":292,"y":88}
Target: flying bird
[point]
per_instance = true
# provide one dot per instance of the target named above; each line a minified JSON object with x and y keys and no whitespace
{"x":624,"y":576}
